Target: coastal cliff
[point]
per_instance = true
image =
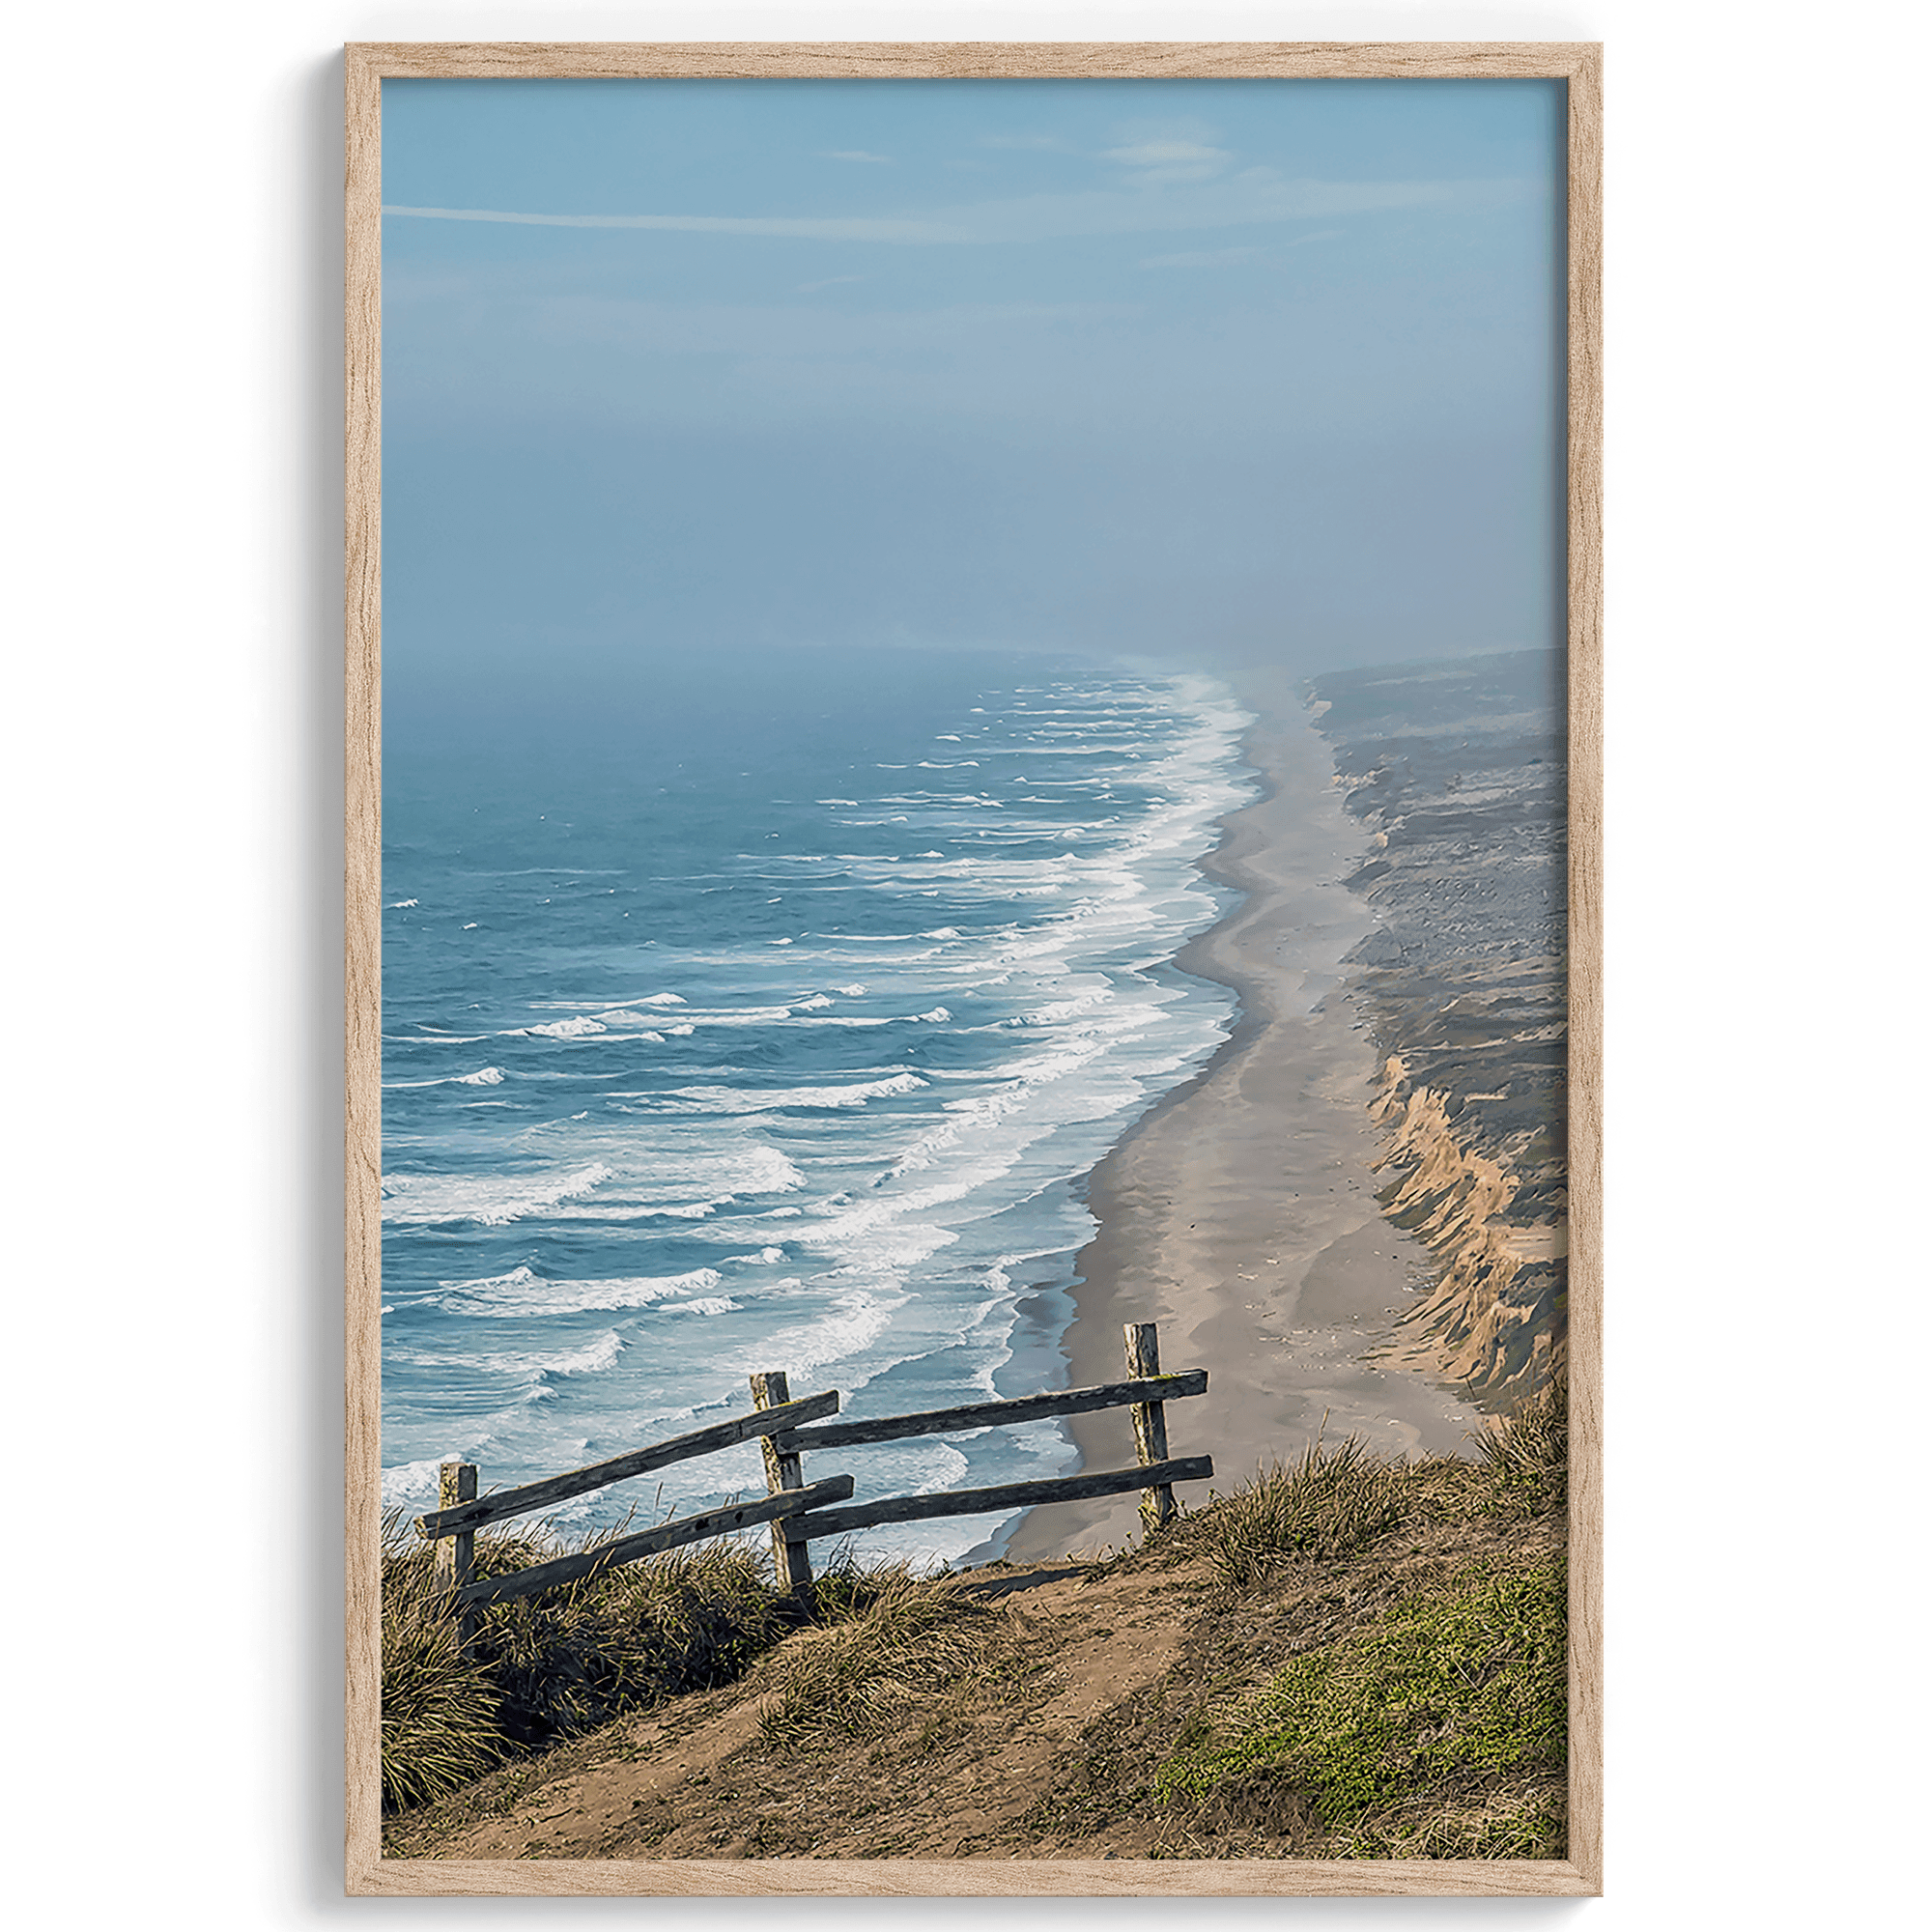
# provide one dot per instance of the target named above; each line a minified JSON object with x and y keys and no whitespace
{"x":1458,"y":771}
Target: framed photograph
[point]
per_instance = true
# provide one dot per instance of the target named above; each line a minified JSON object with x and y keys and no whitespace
{"x":974,"y":961}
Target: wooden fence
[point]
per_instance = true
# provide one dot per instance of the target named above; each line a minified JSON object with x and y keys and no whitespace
{"x":800,"y":1512}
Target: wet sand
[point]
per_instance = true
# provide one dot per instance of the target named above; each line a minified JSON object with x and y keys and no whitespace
{"x":1239,"y":1213}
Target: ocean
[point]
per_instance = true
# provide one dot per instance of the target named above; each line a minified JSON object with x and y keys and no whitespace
{"x":768,"y":1012}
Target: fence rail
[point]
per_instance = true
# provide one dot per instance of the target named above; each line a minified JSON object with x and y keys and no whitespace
{"x":801,"y":1512}
{"x":554,"y":1489}
{"x":672,"y":1535}
{"x":1000,"y":1414}
{"x":1002,"y":1497}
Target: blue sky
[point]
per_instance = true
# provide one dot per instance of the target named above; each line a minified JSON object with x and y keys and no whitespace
{"x":1221,"y":370}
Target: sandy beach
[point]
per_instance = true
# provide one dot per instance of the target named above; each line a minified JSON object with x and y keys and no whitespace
{"x":1239,"y":1213}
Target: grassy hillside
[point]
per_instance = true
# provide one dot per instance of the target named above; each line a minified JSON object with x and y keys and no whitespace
{"x":1345,"y":1657}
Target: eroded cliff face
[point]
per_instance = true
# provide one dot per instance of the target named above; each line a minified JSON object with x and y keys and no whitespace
{"x":1458,"y":771}
{"x":1494,"y":1317}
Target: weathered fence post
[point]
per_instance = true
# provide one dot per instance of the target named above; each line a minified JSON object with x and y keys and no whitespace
{"x":791,"y":1556}
{"x":1143,"y":1339}
{"x":456,"y":1555}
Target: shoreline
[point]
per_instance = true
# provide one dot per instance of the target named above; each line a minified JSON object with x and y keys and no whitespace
{"x":1239,"y":1211}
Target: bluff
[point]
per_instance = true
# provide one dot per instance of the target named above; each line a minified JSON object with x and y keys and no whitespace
{"x":1457,"y":770}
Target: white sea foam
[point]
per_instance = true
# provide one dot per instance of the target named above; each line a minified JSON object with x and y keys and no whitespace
{"x":845,"y":1332}
{"x":412,"y":1486}
{"x":764,"y":1099}
{"x":581,"y":1028}
{"x":484,"y":1076}
{"x":522,"y":1293}
{"x":536,"y":1368}
{"x":603,"y":1170}
{"x":492,"y":1200}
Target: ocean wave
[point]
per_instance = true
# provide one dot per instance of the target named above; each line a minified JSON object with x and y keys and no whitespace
{"x":484,"y":1076}
{"x":604,"y":1170}
{"x":413,"y":1485}
{"x":538,"y":1370}
{"x":524,"y":1293}
{"x":764,"y":1099}
{"x":491,"y":1200}
{"x":845,"y":1332}
{"x":581,"y":1028}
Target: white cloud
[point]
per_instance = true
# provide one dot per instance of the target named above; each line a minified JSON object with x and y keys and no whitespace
{"x":1157,"y":162}
{"x":1043,"y":217}
{"x":797,"y":228}
{"x":1162,"y":154}
{"x":1228,"y":258}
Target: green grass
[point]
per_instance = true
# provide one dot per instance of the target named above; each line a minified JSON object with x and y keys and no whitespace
{"x":1448,"y":1690}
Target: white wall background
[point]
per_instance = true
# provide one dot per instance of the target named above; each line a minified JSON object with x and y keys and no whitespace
{"x":172,"y":1012}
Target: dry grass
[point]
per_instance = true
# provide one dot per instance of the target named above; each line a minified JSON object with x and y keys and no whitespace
{"x":439,"y":1707}
{"x":1330,"y":1504}
{"x":1379,"y":1670}
{"x":542,"y":1668}
{"x":912,"y":1662}
{"x":1527,"y":1457}
{"x":1372,"y":1668}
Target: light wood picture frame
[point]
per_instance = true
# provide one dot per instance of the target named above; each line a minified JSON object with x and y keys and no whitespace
{"x":369,"y":1873}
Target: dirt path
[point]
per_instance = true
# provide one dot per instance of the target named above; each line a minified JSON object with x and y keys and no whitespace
{"x":696,"y":1780}
{"x":1033,"y":1711}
